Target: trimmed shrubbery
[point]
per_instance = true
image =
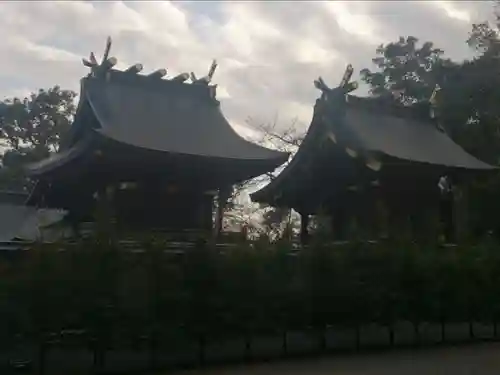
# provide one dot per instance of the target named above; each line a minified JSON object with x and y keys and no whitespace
{"x":122,"y":298}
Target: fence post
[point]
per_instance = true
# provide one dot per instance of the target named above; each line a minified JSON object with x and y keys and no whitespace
{"x":284,"y":343}
{"x":42,"y":357}
{"x":358,"y":336}
{"x":248,"y":346}
{"x":322,"y":339}
{"x":202,"y":343}
{"x":153,"y":346}
{"x":392,"y":335}
{"x":472,"y":334}
{"x":416,"y":329}
{"x":443,"y":330}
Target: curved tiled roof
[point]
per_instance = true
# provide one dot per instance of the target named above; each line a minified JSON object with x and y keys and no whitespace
{"x":345,"y":124}
{"x":178,"y":115}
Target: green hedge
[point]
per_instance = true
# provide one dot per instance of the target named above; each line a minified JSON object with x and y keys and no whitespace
{"x":117,"y":296}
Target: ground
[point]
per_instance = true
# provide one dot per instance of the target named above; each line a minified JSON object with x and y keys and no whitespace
{"x":479,"y":359}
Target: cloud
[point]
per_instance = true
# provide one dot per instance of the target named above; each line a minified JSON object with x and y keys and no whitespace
{"x":269,"y":53}
{"x":452,"y":10}
{"x":354,"y":19}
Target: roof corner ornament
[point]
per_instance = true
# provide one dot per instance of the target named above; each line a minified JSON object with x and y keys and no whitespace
{"x":321,"y":85}
{"x":345,"y":85}
{"x":433,"y":106}
{"x":106,"y":63}
{"x":347,"y":76}
{"x":433,"y":98}
{"x":212,"y":70}
{"x":206,"y":79}
{"x":375,"y":164}
{"x":445,"y":185}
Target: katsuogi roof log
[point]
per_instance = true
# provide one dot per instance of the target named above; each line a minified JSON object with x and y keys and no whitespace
{"x":164,"y":115}
{"x":348,"y":134}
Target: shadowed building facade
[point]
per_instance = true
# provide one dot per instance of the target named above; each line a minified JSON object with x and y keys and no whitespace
{"x":156,"y":150}
{"x":367,"y":158}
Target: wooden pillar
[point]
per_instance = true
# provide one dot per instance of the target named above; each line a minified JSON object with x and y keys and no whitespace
{"x":447,"y":217}
{"x":105,"y":215}
{"x":304,"y":228}
{"x":460,"y":210}
{"x":421,"y":219}
{"x":366,"y":212}
{"x":339,"y":224}
{"x":207,"y":211}
{"x":73,"y":219}
{"x":222,"y":197}
{"x":398,"y":215}
{"x":381,"y":217}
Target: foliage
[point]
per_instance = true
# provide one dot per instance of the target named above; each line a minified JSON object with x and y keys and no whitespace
{"x":484,"y":37}
{"x":116,"y":295}
{"x":32,"y":128}
{"x":406,"y":72}
{"x":274,"y":222}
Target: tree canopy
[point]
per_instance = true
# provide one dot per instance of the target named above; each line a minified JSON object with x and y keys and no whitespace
{"x":406,"y":72}
{"x":466,"y":105}
{"x":31,"y":129}
{"x":409,"y":72}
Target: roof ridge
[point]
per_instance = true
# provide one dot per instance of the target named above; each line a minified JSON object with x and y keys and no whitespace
{"x":103,"y":70}
{"x":149,"y":81}
{"x":384,"y":107}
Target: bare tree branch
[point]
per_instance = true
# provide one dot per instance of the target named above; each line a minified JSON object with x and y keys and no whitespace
{"x":281,"y":139}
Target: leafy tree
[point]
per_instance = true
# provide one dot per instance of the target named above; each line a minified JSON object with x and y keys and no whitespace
{"x":477,"y":92}
{"x":406,"y":72}
{"x":484,"y":38}
{"x":471,"y":98}
{"x":31,"y":129}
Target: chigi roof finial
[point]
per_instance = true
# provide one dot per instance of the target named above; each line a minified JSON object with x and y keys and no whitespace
{"x":347,"y":76}
{"x":321,"y":85}
{"x":433,"y":100}
{"x":433,"y":106}
{"x":344,"y":83}
{"x":106,"y":62}
{"x":211,"y":72}
{"x":206,"y":79}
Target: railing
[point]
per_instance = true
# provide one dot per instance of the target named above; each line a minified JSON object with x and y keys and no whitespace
{"x":73,"y":351}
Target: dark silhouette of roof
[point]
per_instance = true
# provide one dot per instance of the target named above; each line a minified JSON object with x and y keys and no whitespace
{"x":175,"y":118}
{"x":149,"y":112}
{"x":59,"y":159}
{"x":404,"y":137}
{"x":363,"y":128}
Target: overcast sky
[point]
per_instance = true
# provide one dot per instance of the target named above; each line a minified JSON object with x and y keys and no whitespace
{"x":269,"y":53}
